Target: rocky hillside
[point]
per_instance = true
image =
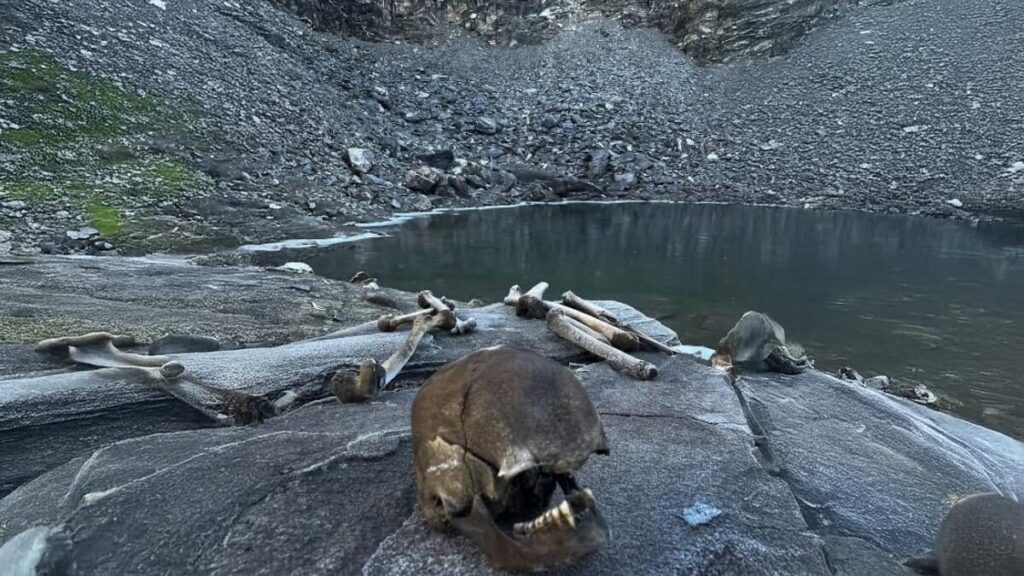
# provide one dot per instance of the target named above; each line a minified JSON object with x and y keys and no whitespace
{"x":186,"y":125}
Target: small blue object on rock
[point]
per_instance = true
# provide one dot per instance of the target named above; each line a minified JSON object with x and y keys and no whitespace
{"x":699,"y":514}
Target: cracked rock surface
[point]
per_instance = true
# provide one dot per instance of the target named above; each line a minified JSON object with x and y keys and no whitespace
{"x":765,"y":474}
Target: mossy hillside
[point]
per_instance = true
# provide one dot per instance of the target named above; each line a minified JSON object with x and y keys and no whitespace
{"x":57,"y":129}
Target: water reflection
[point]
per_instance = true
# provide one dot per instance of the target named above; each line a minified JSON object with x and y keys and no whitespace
{"x":918,"y":299}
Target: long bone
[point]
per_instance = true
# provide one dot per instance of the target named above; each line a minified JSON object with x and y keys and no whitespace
{"x":391,"y":322}
{"x":530,"y":303}
{"x":574,"y":301}
{"x":430,"y":305}
{"x":559,"y":324}
{"x":100,"y":349}
{"x":442,"y":310}
{"x":371,"y":376}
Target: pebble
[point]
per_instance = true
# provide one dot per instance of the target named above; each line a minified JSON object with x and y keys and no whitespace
{"x":360,"y":160}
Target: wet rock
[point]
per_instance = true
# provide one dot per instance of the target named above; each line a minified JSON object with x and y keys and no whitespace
{"x":485,"y":125}
{"x":625,"y":180}
{"x":182,"y":344}
{"x":219,"y":168}
{"x":597,"y":164}
{"x":296,"y":267}
{"x":115,"y":152}
{"x":360,"y":160}
{"x":918,"y":393}
{"x":441,"y":159}
{"x":424,"y":179}
{"x":422,"y":203}
{"x":86,"y":233}
{"x":683,"y":431}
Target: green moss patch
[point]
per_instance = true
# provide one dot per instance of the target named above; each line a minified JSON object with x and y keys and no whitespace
{"x":78,"y":142}
{"x":104,"y":218}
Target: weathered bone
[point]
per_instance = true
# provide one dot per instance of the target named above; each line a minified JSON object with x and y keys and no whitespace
{"x":633,"y":367}
{"x":83,"y":340}
{"x":463,"y":327}
{"x":99,"y":349}
{"x":239,"y":407}
{"x":372,"y":377}
{"x":390,"y":322}
{"x":617,"y":337}
{"x":532,"y":303}
{"x":574,"y":301}
{"x":514,"y":294}
{"x":586,"y":330}
{"x":426,"y":299}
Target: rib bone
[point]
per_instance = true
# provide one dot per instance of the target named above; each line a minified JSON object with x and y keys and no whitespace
{"x":633,"y":367}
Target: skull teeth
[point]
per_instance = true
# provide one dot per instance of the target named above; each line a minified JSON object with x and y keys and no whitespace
{"x":558,"y":516}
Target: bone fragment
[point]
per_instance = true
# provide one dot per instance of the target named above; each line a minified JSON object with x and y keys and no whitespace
{"x":573,"y":301}
{"x":514,"y":293}
{"x":632,"y":367}
{"x":238,"y":407}
{"x":586,"y":330}
{"x":391,"y":322}
{"x":371,"y":376}
{"x":394,"y":364}
{"x":426,"y":299}
{"x":99,"y":349}
{"x":615,"y":336}
{"x":532,"y":303}
{"x":463,"y":327}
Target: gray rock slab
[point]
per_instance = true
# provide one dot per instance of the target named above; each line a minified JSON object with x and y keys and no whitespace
{"x":867,"y":465}
{"x":845,"y":481}
{"x":93,"y":407}
{"x":313,"y":492}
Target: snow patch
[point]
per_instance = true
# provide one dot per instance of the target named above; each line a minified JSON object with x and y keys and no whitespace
{"x":20,"y":555}
{"x":699,"y":514}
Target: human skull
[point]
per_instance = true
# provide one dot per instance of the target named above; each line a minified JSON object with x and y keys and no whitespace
{"x":493,"y":434}
{"x":759,"y":343}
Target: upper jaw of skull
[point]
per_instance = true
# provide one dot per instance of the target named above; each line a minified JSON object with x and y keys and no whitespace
{"x":506,"y":511}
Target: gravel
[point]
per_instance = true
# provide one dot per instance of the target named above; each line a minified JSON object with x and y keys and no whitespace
{"x":899,"y":108}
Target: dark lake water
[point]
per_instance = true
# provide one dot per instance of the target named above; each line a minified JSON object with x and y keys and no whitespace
{"x":921,"y":300}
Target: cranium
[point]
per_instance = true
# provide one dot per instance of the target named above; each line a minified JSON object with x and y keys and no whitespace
{"x":493,"y":434}
{"x":757,"y":342}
